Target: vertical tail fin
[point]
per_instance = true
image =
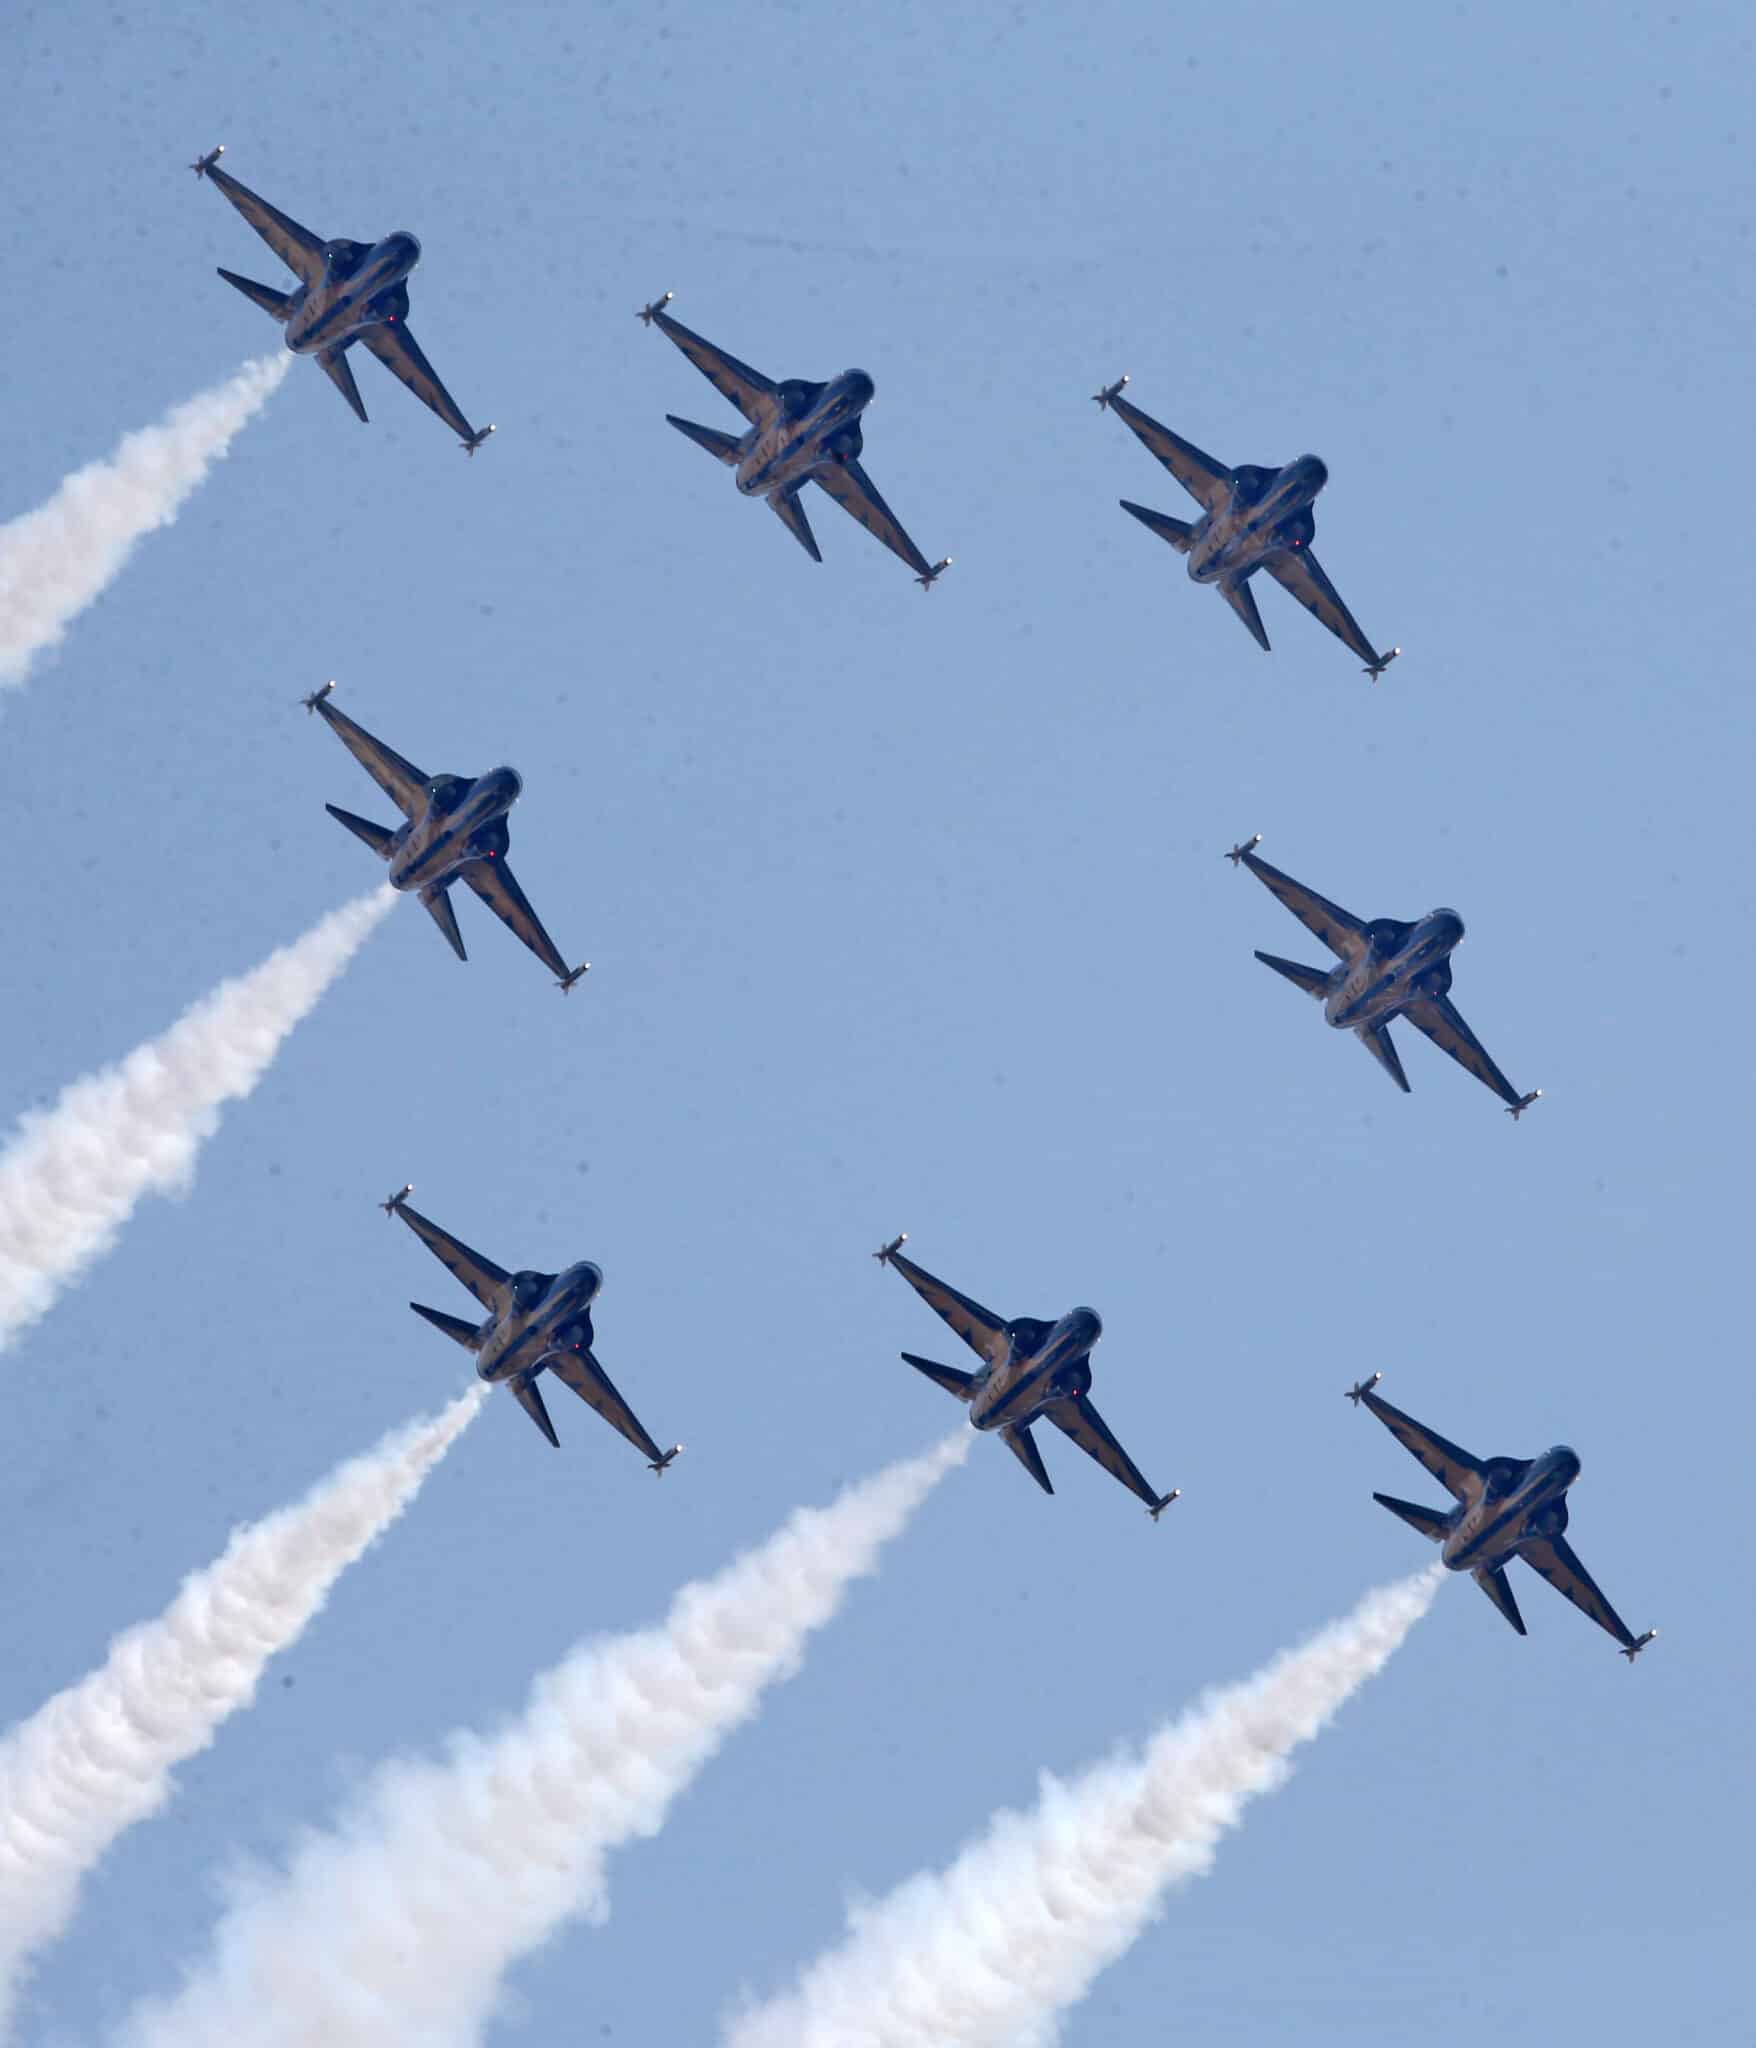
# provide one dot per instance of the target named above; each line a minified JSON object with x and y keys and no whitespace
{"x":525,"y":1393}
{"x":1023,"y":1447}
{"x":438,"y":902}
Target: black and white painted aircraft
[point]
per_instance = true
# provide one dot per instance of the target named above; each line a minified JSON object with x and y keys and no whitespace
{"x":1388,"y":969}
{"x":799,"y":434}
{"x":1506,"y":1508}
{"x":1251,"y":518}
{"x":536,"y":1322}
{"x":348,"y":292}
{"x":1030,"y":1370}
{"x":455,"y":831}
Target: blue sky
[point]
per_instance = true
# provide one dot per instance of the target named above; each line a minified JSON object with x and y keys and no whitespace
{"x":910,"y":913}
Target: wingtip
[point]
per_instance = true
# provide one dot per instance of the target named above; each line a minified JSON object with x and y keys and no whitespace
{"x":886,"y":1252}
{"x":1244,"y":848}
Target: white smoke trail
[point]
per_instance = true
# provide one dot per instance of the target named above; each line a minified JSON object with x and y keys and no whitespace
{"x":55,"y":560}
{"x":991,"y":1952}
{"x":97,"y":1757}
{"x":400,"y":1926}
{"x":71,"y":1175}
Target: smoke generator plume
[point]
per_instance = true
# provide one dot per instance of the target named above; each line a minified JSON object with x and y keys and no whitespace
{"x":97,"y":1758}
{"x":991,"y":1952}
{"x":401,"y":1925}
{"x":71,"y":1175}
{"x":55,"y":560}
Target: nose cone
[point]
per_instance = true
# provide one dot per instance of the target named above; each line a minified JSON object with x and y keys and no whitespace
{"x":1086,"y":1324}
{"x":584,"y":1280}
{"x":1447,"y":924}
{"x":857,"y":389}
{"x":505,"y":783}
{"x":1565,"y":1461}
{"x":406,"y":246}
{"x":1313,"y":470}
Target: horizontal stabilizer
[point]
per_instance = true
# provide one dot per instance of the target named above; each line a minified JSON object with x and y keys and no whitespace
{"x":1023,"y":1447}
{"x":466,"y":1334}
{"x":339,"y":371}
{"x":377,"y":837}
{"x":277,"y":305}
{"x":1431,"y":1522}
{"x":1313,"y":980}
{"x":723,"y":447}
{"x":1494,"y":1582}
{"x":526,"y":1394}
{"x":1178,"y":532}
{"x":962,"y":1384}
{"x":438,"y":902}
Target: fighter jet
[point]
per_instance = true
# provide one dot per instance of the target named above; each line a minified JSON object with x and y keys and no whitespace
{"x":1030,"y":1371}
{"x":1251,"y":518}
{"x":348,"y":292}
{"x":455,"y":832}
{"x":536,"y":1321}
{"x":1388,"y":969}
{"x":1506,"y":1508}
{"x":799,"y":433}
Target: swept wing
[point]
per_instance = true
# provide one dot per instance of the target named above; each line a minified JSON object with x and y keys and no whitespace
{"x":853,"y":490}
{"x":1553,"y":1558}
{"x":497,"y":886}
{"x":1438,"y":1018}
{"x":485,"y":1280}
{"x":399,"y":352}
{"x":400,"y":780}
{"x":1455,"y":1470}
{"x":750,"y":391}
{"x":1339,"y":929}
{"x":581,"y":1371}
{"x":299,"y":249}
{"x":1205,"y":480}
{"x":1300,"y":572}
{"x":980,"y":1328}
{"x":1076,"y":1417}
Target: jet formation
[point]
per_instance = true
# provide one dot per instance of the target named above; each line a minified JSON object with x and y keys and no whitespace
{"x":799,"y":433}
{"x":348,"y":292}
{"x":1031,"y":1371}
{"x":1506,"y":1508}
{"x":1251,"y":518}
{"x":536,"y":1322}
{"x":454,"y":830}
{"x":1388,"y":969}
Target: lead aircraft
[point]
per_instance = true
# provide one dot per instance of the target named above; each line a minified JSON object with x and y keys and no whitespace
{"x":800,"y":433}
{"x":536,"y":1322}
{"x":1031,"y":1371}
{"x":348,"y":292}
{"x":455,"y":832}
{"x":1506,"y":1508}
{"x":1388,"y":969}
{"x":1251,"y":518}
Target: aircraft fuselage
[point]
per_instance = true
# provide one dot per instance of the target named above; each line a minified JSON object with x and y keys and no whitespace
{"x":814,"y":424}
{"x":1267,"y":513}
{"x":548,"y":1312}
{"x":362,"y":286}
{"x":1402,"y":962}
{"x":464,"y":820}
{"x":1044,"y":1362}
{"x":1530,"y":1501}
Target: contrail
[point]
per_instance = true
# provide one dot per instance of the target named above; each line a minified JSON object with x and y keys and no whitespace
{"x":55,"y":560}
{"x":991,"y":1952}
{"x":98,"y":1757}
{"x":70,"y":1176}
{"x":401,"y":1925}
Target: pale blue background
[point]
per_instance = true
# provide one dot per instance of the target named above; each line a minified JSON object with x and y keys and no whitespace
{"x":909,"y":913}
